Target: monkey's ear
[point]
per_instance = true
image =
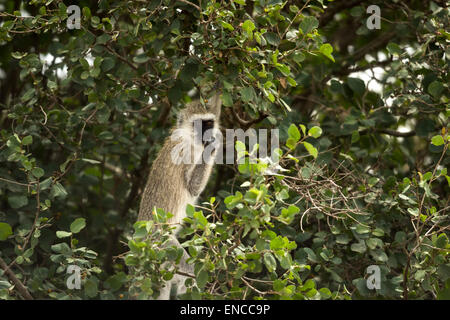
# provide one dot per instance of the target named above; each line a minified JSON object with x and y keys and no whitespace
{"x":215,"y":104}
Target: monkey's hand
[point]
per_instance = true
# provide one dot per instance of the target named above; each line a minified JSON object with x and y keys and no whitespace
{"x":197,"y":179}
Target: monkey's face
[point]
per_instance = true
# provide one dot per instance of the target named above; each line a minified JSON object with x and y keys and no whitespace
{"x":203,"y":131}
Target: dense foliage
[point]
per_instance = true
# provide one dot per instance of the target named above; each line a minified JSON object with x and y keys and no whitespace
{"x":364,"y":136}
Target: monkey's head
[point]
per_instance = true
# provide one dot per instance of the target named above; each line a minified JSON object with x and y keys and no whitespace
{"x":201,"y":119}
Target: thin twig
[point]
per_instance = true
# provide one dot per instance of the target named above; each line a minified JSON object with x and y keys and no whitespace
{"x":191,"y":4}
{"x":18,"y":284}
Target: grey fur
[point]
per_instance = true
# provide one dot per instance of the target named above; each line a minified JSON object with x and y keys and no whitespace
{"x":172,"y":186}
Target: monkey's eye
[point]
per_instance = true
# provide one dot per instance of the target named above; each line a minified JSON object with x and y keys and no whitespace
{"x":207,"y":124}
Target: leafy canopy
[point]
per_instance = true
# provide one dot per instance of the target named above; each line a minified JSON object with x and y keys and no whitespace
{"x":362,"y":178}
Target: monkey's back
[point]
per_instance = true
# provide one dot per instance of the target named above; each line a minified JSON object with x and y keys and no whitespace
{"x":165,"y":187}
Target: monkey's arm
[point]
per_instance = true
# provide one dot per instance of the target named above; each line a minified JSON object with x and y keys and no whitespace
{"x":197,"y":178}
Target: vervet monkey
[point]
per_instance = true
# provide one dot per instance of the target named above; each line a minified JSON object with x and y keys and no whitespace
{"x":180,"y":173}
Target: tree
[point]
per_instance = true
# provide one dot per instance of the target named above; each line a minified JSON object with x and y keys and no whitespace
{"x":363,"y":120}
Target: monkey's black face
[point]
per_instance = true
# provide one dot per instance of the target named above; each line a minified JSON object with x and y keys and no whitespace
{"x":206,"y":125}
{"x":201,"y":127}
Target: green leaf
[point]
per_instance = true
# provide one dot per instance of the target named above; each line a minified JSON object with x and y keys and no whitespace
{"x":58,"y":190}
{"x":78,"y":225}
{"x":325,"y":293}
{"x":5,"y":231}
{"x":105,"y":135}
{"x":427,"y":176}
{"x":360,"y":229}
{"x":116,"y":281}
{"x":288,"y":108}
{"x":309,"y":284}
{"x":91,"y":161}
{"x":84,"y":63}
{"x":437,"y":140}
{"x":294,"y":8}
{"x":394,"y":49}
{"x":239,"y":146}
{"x":294,"y":133}
{"x":202,"y":278}
{"x":45,"y":184}
{"x":414,"y":212}
{"x":291,"y":82}
{"x":343,"y":239}
{"x":355,"y":137}
{"x":298,"y":57}
{"x":315,"y":132}
{"x":198,"y":215}
{"x":311,"y":149}
{"x":91,"y":288}
{"x":142,"y":58}
{"x":52,"y":85}
{"x":359,"y":247}
{"x":37,"y":172}
{"x":28,"y":95}
{"x":18,"y":55}
{"x":18,"y":201}
{"x":303,"y":127}
{"x":272,"y":38}
{"x":226,"y":25}
{"x":62,"y":248}
{"x":400,"y":236}
{"x":443,"y":272}
{"x":104,"y":38}
{"x":308,"y":24}
{"x":278,"y":285}
{"x":227,"y":100}
{"x":270,"y":262}
{"x":373,"y":181}
{"x":291,"y":143}
{"x":108,"y":64}
{"x":84,"y":75}
{"x":441,"y":241}
{"x":357,"y":86}
{"x":379,"y":255}
{"x":247,"y":94}
{"x":233,"y":200}
{"x":435,"y":89}
{"x":326,"y":49}
{"x":283,"y":68}
{"x":357,"y":11}
{"x":63,"y":234}
{"x":27,"y":140}
{"x":86,"y":12}
{"x":444,"y":294}
{"x":248,"y":26}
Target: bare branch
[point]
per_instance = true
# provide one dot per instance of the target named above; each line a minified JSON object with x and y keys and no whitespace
{"x":18,"y":284}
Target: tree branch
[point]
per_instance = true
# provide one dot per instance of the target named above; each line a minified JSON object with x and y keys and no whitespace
{"x":110,"y":50}
{"x":389,"y":132}
{"x":338,"y":7}
{"x":247,"y":123}
{"x":371,"y":46}
{"x":191,"y":4}
{"x":19,"y":285}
